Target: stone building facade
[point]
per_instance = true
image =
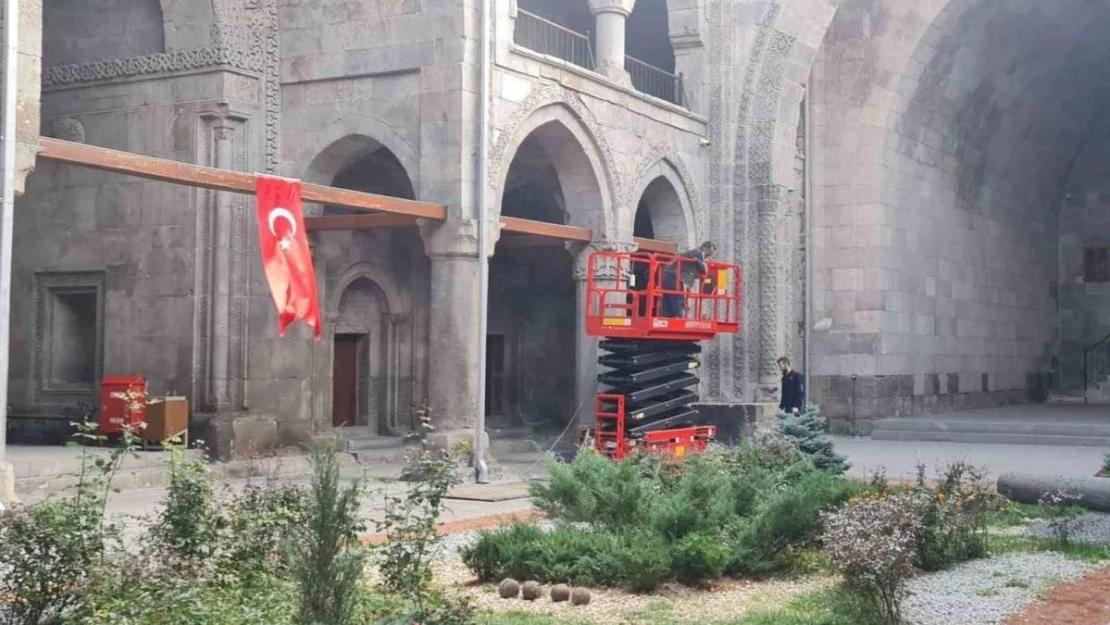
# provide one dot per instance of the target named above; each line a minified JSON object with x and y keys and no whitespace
{"x":898,"y":179}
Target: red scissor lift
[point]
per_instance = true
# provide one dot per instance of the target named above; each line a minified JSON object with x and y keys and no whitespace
{"x":651,"y":325}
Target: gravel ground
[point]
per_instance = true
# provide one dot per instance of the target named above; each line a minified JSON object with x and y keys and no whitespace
{"x":1091,"y":528}
{"x":985,"y":592}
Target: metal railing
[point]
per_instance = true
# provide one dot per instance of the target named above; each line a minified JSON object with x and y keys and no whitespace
{"x":1096,"y":363}
{"x":547,"y":37}
{"x":649,"y":79}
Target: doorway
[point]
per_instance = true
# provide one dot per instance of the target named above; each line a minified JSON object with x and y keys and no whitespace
{"x":345,"y":376}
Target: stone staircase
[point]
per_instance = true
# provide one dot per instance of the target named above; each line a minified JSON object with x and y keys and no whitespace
{"x":1037,"y":424}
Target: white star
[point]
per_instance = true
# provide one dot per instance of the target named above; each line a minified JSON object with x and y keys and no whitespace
{"x":285,"y":243}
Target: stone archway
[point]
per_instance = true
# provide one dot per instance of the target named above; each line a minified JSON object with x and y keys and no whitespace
{"x":663,"y":209}
{"x":371,"y":279}
{"x":541,"y":364}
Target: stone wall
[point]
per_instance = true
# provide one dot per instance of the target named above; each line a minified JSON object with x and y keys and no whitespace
{"x":1084,"y":222}
{"x":130,"y":241}
{"x":944,"y":134}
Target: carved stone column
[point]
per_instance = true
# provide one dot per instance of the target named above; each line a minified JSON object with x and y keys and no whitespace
{"x":586,"y":347}
{"x":611,"y":17}
{"x":770,"y":315}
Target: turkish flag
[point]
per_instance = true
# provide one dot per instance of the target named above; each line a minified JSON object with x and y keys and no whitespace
{"x":285,"y":254}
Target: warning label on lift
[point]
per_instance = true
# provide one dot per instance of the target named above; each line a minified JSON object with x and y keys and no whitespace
{"x":616,"y":321}
{"x":684,"y":324}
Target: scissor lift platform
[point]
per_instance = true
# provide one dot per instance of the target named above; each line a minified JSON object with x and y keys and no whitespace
{"x":650,"y":385}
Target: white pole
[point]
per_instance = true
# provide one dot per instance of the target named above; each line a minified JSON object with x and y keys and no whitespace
{"x":483,"y":245}
{"x":7,"y":204}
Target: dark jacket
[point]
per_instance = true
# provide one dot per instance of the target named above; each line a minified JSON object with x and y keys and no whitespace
{"x":793,"y":392}
{"x":697,"y":269}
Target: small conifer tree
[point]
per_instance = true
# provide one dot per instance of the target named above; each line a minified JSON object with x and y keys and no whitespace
{"x":807,"y":431}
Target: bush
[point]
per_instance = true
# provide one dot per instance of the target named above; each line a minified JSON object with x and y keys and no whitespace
{"x":570,"y":555}
{"x":1106,"y":463}
{"x":954,"y":517}
{"x":261,"y":523}
{"x":49,"y":551}
{"x":176,"y":600}
{"x":328,"y":565}
{"x":785,"y":520}
{"x":871,"y":541}
{"x":594,"y":489}
{"x":189,"y":523}
{"x":807,"y":431}
{"x":699,"y":557}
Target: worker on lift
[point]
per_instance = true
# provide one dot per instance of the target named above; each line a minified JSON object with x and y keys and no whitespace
{"x":693,"y":273}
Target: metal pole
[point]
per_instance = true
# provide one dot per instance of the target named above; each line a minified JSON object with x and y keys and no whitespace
{"x":483,"y":246}
{"x":7,"y":205}
{"x":810,"y":201}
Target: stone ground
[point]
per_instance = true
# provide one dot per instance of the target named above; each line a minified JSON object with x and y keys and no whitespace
{"x":1084,"y":601}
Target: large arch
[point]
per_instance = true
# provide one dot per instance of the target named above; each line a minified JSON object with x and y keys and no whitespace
{"x":360,"y":163}
{"x":940,"y":254}
{"x":340,"y":144}
{"x":578,"y":161}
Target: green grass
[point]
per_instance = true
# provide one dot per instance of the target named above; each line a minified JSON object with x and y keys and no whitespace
{"x":830,"y":607}
{"x":1021,"y":513}
{"x":1086,"y":552}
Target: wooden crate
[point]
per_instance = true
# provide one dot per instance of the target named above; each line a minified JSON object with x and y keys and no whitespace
{"x":167,"y":418}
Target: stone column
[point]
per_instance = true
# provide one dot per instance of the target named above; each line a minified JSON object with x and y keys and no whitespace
{"x":218,"y":377}
{"x":453,"y":327}
{"x":610,"y":18}
{"x":769,"y":311}
{"x":586,"y":350}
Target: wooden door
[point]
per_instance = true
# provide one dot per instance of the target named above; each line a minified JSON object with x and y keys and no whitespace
{"x":495,"y":375}
{"x":344,"y":394}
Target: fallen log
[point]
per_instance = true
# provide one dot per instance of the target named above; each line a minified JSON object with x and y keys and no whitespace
{"x":1093,"y":492}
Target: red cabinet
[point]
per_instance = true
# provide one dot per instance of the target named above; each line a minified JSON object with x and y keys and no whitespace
{"x":122,"y":401}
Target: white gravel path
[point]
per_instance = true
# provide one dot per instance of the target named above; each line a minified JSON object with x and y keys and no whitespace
{"x":1091,"y":528}
{"x":985,"y":592}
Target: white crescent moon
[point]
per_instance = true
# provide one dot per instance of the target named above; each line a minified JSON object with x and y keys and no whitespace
{"x":281,"y":213}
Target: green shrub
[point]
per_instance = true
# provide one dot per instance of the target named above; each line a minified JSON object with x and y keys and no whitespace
{"x":786,"y":519}
{"x":807,"y":431}
{"x":328,"y":564}
{"x":49,"y":551}
{"x":261,"y":523}
{"x":1106,"y":463}
{"x":570,"y":555}
{"x":189,"y":523}
{"x":954,"y":516}
{"x":594,"y":489}
{"x":699,"y":557}
{"x":177,"y":600}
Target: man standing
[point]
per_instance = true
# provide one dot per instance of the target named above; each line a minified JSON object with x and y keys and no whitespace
{"x":793,"y":388}
{"x":674,"y":302}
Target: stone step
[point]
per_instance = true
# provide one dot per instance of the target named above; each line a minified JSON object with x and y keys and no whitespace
{"x":990,"y":428}
{"x":371,"y":443}
{"x":983,"y":438}
{"x":1065,"y":399}
{"x":511,"y":431}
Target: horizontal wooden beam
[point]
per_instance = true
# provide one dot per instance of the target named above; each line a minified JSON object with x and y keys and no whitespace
{"x":654,"y":245}
{"x":358,"y":222}
{"x":390,"y":212}
{"x":222,"y":179}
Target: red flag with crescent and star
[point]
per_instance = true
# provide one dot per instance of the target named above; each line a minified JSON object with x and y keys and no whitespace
{"x":285,"y":253}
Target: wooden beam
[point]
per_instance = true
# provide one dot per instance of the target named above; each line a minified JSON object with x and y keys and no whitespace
{"x":544,"y":229}
{"x":358,"y":222}
{"x":397,"y":212}
{"x":223,"y":180}
{"x":653,"y":245}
